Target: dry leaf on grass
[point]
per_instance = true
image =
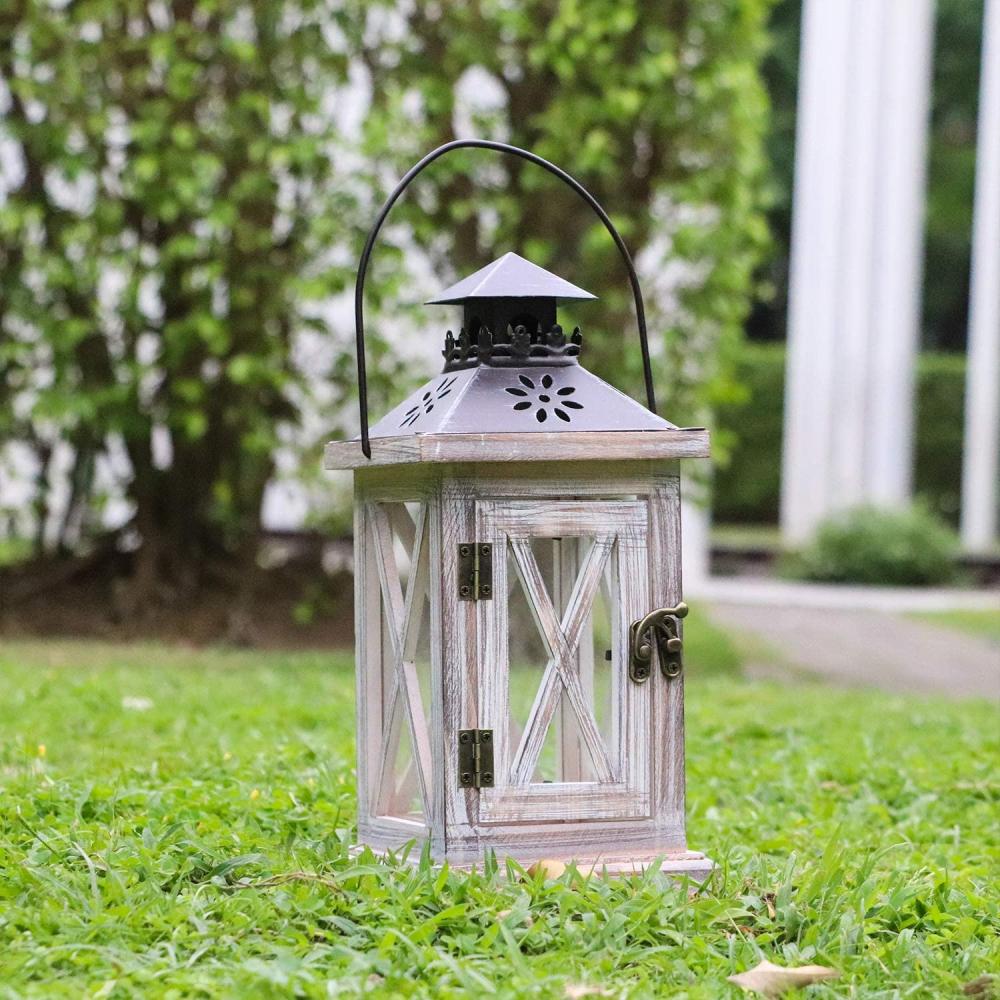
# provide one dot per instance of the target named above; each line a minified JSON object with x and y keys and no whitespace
{"x":574,"y":990}
{"x":772,"y":980}
{"x":548,"y":867}
{"x":983,"y":986}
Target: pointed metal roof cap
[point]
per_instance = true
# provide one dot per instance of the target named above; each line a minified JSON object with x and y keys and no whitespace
{"x":510,"y":277}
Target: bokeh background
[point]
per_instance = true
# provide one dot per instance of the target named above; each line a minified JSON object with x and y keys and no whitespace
{"x":186,"y":186}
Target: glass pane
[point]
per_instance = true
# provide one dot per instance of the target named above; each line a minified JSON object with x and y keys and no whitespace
{"x":399,"y":795}
{"x":565,"y":754}
{"x":528,"y":656}
{"x":406,"y":663}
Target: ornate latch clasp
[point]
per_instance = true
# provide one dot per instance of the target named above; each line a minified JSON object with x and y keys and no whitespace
{"x":660,"y":627}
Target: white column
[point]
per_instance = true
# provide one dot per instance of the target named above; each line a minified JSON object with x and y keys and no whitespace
{"x":856,"y":249}
{"x":980,"y":463}
{"x":696,"y":526}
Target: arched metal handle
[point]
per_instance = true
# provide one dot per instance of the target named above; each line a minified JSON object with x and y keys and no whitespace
{"x":500,"y":147}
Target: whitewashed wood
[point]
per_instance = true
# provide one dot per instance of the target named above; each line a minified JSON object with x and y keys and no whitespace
{"x":668,"y":708}
{"x":556,"y":446}
{"x":514,"y":523}
{"x":459,"y":650}
{"x":459,"y":826}
{"x":368,"y":638}
{"x":439,"y":742}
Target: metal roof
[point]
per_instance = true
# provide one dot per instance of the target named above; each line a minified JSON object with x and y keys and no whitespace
{"x":492,"y":400}
{"x":510,"y":277}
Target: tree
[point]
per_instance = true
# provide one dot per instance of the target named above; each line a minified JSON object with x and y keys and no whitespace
{"x":179,"y":192}
{"x":170,"y":200}
{"x":657,"y":108}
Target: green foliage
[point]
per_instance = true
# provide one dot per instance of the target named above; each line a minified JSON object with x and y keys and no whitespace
{"x":169,"y":208}
{"x":179,"y":202}
{"x":658,"y":109}
{"x":939,"y":429}
{"x":984,"y":624}
{"x":148,"y":852}
{"x":869,"y":545}
{"x":951,"y":171}
{"x":747,"y":488}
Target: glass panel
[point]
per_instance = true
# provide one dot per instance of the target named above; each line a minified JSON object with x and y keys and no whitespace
{"x":565,"y":754}
{"x":527,"y":655}
{"x":410,"y":673}
{"x":399,"y":795}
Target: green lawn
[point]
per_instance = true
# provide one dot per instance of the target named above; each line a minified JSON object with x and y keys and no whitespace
{"x":154,"y":802}
{"x":982,"y":623}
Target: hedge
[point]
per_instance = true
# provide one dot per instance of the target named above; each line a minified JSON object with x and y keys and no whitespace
{"x":747,"y":489}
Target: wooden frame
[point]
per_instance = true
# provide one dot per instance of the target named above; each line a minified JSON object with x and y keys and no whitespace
{"x":627,"y":515}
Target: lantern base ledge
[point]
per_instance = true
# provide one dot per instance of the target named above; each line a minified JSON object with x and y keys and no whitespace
{"x":681,"y":864}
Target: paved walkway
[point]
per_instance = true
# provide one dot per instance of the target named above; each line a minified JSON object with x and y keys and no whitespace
{"x":860,"y":646}
{"x":789,"y":593}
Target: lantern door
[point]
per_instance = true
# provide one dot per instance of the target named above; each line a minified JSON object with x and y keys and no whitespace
{"x":570,"y":731}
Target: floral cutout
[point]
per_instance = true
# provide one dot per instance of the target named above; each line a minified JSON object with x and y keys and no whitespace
{"x":544,"y":397}
{"x":425,"y":404}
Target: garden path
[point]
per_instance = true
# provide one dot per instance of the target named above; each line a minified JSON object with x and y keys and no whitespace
{"x":861,"y":647}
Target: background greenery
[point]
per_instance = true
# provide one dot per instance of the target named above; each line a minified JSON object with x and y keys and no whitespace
{"x":195,"y":175}
{"x":176,"y":823}
{"x":747,"y":487}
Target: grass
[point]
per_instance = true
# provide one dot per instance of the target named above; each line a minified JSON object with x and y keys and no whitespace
{"x":155,"y":804}
{"x":980,"y":623}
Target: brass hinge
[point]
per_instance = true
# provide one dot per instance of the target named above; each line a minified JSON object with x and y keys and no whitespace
{"x":475,"y":758}
{"x":475,"y":571}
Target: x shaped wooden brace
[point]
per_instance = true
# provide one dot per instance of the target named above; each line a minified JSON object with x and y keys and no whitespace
{"x":562,"y":670}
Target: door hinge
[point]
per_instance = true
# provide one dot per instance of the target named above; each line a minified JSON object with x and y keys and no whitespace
{"x":475,"y":758}
{"x":475,"y":571}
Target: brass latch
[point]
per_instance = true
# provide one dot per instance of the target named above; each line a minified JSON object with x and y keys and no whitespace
{"x":475,"y":758}
{"x":475,"y":571}
{"x":662,"y":628}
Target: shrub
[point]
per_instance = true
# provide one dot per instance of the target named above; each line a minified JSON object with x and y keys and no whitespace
{"x":871,"y":545}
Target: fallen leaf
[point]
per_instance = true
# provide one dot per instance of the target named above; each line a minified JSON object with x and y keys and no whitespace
{"x":772,"y":980}
{"x":548,"y":868}
{"x":983,"y":986}
{"x":583,"y":990}
{"x":769,"y":901}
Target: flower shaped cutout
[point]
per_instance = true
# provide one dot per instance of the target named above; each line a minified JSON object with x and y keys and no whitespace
{"x":425,"y":404}
{"x":544,"y":397}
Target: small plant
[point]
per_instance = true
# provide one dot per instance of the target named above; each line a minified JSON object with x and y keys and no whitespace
{"x":871,"y":545}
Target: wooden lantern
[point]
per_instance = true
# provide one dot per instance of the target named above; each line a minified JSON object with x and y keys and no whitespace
{"x":518,"y":595}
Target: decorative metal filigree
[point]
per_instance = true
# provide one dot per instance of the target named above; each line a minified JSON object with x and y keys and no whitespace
{"x":518,"y":346}
{"x":425,"y":404}
{"x":544,"y":396}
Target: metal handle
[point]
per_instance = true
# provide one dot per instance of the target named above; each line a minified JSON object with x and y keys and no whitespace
{"x":500,"y":147}
{"x":659,"y":627}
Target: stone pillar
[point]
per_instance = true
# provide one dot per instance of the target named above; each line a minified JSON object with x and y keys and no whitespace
{"x":980,"y":464}
{"x":856,"y":248}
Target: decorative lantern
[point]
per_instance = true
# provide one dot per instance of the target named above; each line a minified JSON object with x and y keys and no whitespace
{"x":518,"y":591}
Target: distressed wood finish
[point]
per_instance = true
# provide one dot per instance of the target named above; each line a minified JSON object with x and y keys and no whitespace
{"x":538,"y":446}
{"x":614,"y":530}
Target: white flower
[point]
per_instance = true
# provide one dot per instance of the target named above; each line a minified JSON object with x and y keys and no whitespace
{"x":132,"y":703}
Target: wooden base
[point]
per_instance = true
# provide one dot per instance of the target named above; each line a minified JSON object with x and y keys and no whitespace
{"x":690,"y":864}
